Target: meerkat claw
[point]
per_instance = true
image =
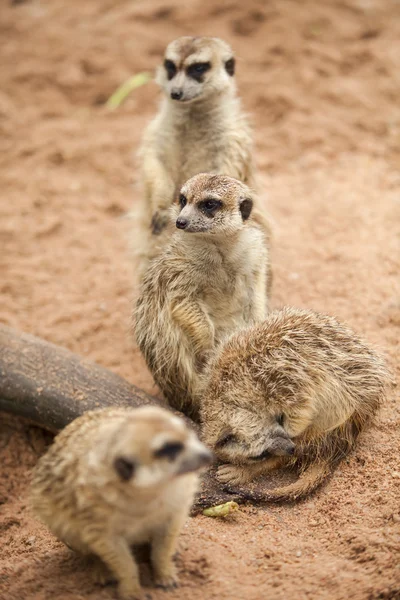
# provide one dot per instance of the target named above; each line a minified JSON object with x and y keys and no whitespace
{"x":167,"y":582}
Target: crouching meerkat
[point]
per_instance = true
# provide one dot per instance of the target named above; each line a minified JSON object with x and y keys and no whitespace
{"x":296,"y":389}
{"x":117,"y":477}
{"x":199,"y":128}
{"x":209,"y":280}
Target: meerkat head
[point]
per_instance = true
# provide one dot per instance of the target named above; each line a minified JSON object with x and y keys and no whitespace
{"x":145,"y":449}
{"x":212,"y":204}
{"x":243,"y":436}
{"x":196,"y":68}
{"x":238,"y":421}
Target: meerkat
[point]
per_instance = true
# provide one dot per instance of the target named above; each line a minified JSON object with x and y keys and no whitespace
{"x":199,"y":128}
{"x":209,"y":280}
{"x":294,"y":390}
{"x":118,"y":477}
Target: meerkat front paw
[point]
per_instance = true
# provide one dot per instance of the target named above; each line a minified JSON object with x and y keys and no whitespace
{"x":102,"y":575}
{"x":232,"y":474}
{"x":165,"y":575}
{"x":159,"y":221}
{"x":166,"y":581}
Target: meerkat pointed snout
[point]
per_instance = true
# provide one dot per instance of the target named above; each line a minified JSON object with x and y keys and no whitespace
{"x":118,"y":477}
{"x":196,"y":67}
{"x":296,"y":389}
{"x":210,"y":280}
{"x":212,"y":204}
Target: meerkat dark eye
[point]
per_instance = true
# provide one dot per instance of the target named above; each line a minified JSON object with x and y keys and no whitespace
{"x":169,"y":450}
{"x":230,"y":66}
{"x":225,"y":440}
{"x":182,"y":200}
{"x":170,"y":68}
{"x":210,"y":206}
{"x":124,"y":467}
{"x":197,"y":70}
{"x":280,"y":419}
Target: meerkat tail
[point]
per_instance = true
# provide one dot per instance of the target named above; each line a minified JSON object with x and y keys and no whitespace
{"x":308,"y":481}
{"x":311,"y":478}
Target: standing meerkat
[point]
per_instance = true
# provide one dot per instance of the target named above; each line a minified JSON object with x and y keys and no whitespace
{"x":117,"y":477}
{"x":296,"y":389}
{"x":209,"y":280}
{"x":199,"y":128}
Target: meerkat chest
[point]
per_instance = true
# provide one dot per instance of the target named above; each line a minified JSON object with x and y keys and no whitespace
{"x":198,"y":153}
{"x":196,"y":147}
{"x":139,"y":521}
{"x":229,"y":297}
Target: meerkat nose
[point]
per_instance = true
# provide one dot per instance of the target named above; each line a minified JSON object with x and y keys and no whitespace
{"x":176,"y":94}
{"x":206,"y":457}
{"x":181,"y":223}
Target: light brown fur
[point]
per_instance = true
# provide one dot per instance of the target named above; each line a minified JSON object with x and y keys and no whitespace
{"x":296,"y":389}
{"x":209,"y":281}
{"x":205,"y":131}
{"x":118,"y":477}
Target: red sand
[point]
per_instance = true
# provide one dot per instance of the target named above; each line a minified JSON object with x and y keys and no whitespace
{"x":322,"y":81}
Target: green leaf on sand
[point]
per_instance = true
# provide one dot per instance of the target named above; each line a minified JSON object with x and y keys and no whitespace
{"x":222,"y":510}
{"x":126,"y":88}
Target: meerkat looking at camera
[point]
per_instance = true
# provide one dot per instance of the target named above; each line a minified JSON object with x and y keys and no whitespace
{"x":118,"y":477}
{"x":199,"y":128}
{"x":296,"y":389}
{"x":209,"y":280}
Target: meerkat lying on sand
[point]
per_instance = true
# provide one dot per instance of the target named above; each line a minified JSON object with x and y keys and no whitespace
{"x":209,"y":281}
{"x":199,"y":128}
{"x":118,"y":477}
{"x":296,"y":389}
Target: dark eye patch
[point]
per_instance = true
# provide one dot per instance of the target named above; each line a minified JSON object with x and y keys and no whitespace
{"x":182,"y":200}
{"x":263,"y":456}
{"x":226,"y":439}
{"x":124,"y":467}
{"x":170,"y":450}
{"x":197,"y":70}
{"x":170,"y":67}
{"x":280,"y":419}
{"x":209,"y":206}
{"x":230,"y":66}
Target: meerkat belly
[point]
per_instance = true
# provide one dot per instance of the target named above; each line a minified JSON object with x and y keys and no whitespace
{"x":230,"y":306}
{"x":139,"y":526}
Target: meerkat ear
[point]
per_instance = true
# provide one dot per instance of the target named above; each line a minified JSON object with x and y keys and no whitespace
{"x":245,"y":207}
{"x":124,"y":467}
{"x":230,"y":66}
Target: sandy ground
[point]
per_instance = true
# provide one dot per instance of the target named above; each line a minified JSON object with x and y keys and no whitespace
{"x":322,"y":81}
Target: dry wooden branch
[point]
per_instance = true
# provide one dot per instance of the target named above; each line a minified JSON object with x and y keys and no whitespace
{"x":51,"y":386}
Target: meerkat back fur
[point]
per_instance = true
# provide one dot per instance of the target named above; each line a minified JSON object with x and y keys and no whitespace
{"x":209,"y":281}
{"x":118,"y":477}
{"x":296,"y":389}
{"x":199,"y":128}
